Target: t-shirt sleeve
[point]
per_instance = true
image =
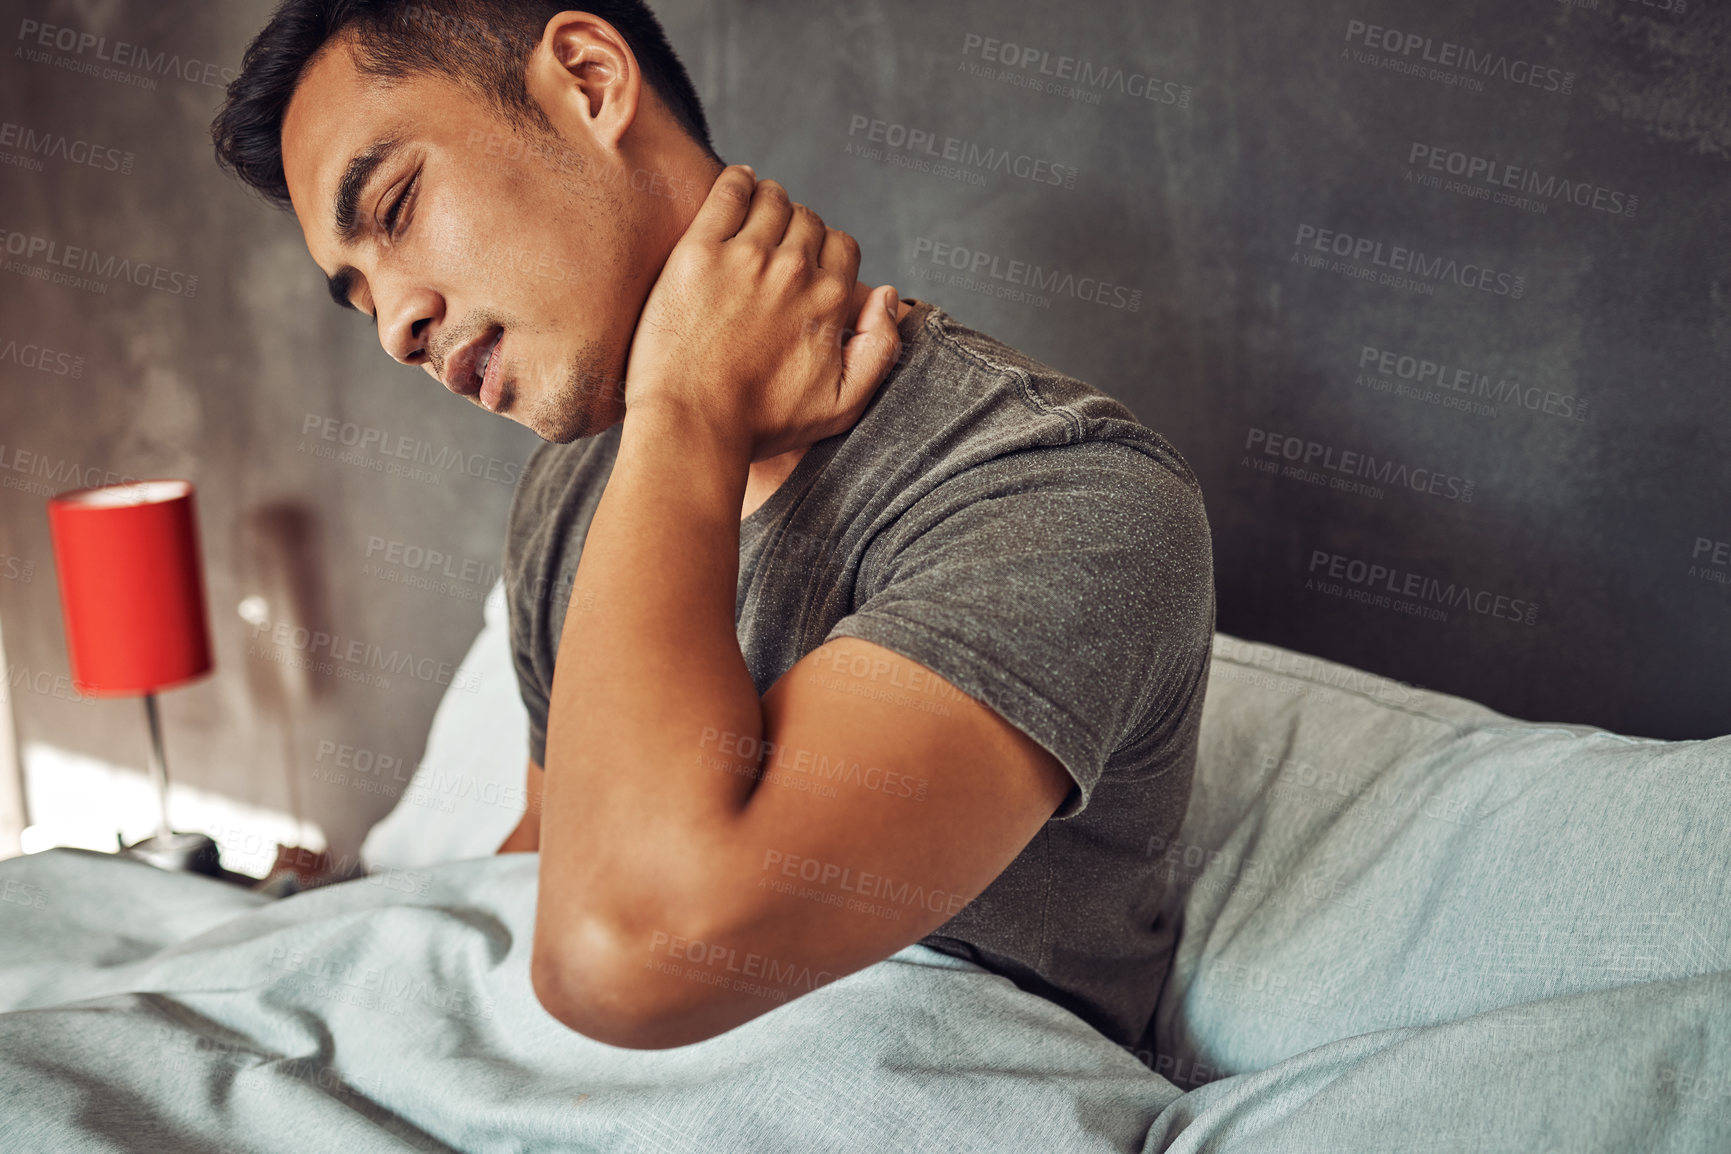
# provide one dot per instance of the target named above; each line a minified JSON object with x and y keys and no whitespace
{"x":527,"y":580}
{"x":1069,"y":588}
{"x":529,"y":687}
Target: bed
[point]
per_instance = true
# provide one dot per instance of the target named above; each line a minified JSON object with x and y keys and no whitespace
{"x":1404,"y":922}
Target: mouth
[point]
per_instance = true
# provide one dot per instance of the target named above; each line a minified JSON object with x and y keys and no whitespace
{"x":477,"y":370}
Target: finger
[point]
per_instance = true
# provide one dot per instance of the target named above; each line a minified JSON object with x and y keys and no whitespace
{"x":840,"y":255}
{"x":724,"y":209}
{"x":770,"y":211}
{"x":871,"y":352}
{"x":805,"y":232}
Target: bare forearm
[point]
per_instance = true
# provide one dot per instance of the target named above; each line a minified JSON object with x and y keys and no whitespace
{"x":655,"y":663}
{"x":642,"y":842}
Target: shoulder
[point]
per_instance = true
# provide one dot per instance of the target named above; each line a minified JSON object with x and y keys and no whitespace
{"x":1067,"y":412}
{"x":1121,"y":522}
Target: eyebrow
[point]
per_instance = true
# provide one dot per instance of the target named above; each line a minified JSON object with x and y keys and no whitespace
{"x":345,"y":214}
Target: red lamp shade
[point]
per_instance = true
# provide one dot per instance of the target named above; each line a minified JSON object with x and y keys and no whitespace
{"x":131,"y":586}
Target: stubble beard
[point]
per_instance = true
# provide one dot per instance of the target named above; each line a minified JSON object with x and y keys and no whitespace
{"x":585,"y":402}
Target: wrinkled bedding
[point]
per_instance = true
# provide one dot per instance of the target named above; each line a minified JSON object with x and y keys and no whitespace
{"x":156,"y":1012}
{"x":1404,"y":923}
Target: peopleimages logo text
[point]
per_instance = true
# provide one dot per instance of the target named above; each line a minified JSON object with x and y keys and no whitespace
{"x":1428,"y":374}
{"x":1447,"y":54}
{"x":55,"y":37}
{"x":1497,"y":174}
{"x":978,"y":263}
{"x":36,"y":143}
{"x":1308,"y":454}
{"x":1084,"y":72}
{"x":968,"y":153}
{"x":1399,"y":258}
{"x":365,"y":440}
{"x":40,"y":358}
{"x":1422,"y":587}
{"x":87,"y":260}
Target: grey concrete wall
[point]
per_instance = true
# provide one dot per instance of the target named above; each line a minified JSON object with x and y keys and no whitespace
{"x":1223,"y":213}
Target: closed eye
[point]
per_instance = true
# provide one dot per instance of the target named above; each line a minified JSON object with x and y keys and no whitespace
{"x":394,"y":214}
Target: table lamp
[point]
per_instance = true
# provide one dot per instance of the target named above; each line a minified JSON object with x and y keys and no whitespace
{"x":132,"y":596}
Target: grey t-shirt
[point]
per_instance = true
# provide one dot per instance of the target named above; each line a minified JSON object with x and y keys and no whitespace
{"x":1019,"y":533}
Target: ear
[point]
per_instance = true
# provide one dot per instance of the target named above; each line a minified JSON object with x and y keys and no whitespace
{"x":585,"y":78}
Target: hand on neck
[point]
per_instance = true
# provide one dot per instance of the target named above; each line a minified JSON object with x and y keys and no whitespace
{"x":704,"y":177}
{"x":765,"y":476}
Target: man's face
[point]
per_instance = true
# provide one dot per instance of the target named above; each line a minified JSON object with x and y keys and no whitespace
{"x":493,"y":257}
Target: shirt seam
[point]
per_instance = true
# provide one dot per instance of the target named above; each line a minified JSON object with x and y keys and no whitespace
{"x":1023,"y":379}
{"x":938,"y":322}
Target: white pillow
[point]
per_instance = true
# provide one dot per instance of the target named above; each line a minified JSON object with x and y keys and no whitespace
{"x":467,"y":793}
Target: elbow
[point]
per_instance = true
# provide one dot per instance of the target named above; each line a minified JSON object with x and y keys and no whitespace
{"x":593,"y":981}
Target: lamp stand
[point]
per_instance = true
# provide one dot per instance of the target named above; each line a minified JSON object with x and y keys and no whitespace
{"x":158,"y":766}
{"x":184,"y":852}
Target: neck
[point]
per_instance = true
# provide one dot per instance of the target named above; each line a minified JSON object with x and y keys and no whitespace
{"x":694,"y":174}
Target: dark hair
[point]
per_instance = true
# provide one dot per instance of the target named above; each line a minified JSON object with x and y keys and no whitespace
{"x":483,"y":44}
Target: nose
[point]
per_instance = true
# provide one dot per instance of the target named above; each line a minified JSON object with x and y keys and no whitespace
{"x":406,"y":324}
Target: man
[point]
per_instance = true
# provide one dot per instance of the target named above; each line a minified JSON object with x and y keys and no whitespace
{"x":872,"y":630}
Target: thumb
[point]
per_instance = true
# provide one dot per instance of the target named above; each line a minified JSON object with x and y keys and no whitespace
{"x":871,"y":352}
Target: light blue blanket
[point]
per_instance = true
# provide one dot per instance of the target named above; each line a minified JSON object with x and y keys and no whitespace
{"x":1403,"y":923}
{"x":157,"y":1012}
